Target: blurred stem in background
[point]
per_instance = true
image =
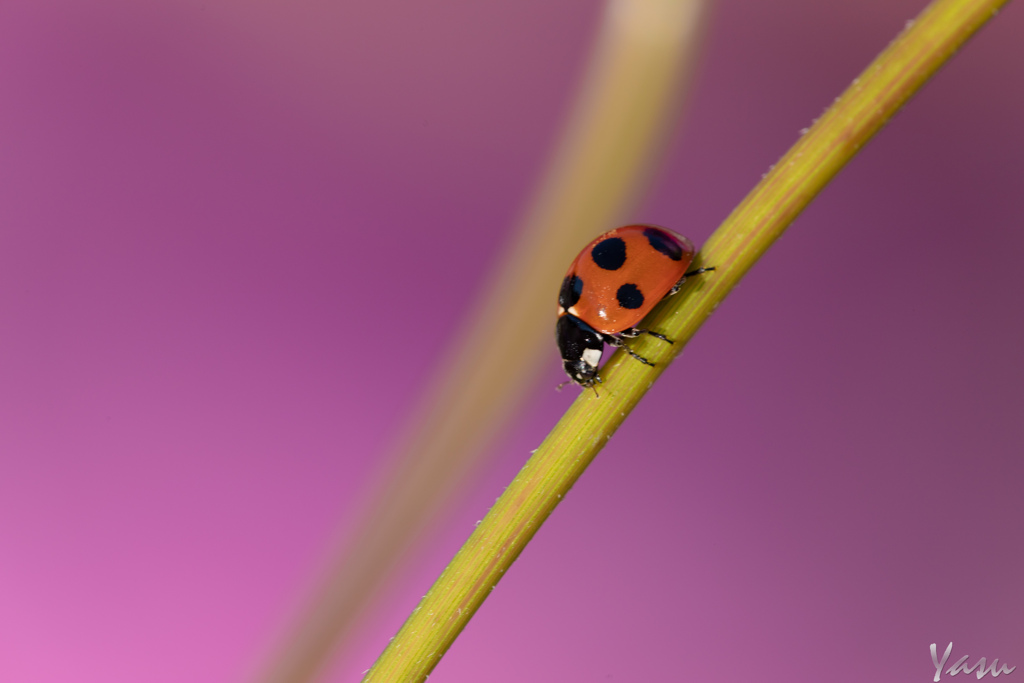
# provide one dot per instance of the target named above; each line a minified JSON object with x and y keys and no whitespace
{"x":871,"y":100}
{"x":628,"y":102}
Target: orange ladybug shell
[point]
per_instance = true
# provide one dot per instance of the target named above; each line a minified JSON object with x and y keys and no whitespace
{"x":620,"y":276}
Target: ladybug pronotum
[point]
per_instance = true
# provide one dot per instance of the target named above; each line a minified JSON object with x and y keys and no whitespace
{"x":614,"y":282}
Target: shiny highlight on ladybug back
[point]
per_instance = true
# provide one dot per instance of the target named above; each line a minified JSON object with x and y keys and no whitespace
{"x":614,"y":282}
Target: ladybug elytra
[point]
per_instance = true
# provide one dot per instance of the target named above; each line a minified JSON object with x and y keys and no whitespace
{"x":614,"y":282}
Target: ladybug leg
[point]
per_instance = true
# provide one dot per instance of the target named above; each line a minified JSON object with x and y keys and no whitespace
{"x":634,"y":332}
{"x":679,"y":284}
{"x":619,"y":343}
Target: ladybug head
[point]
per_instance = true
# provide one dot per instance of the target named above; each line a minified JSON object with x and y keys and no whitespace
{"x":581,"y":347}
{"x":582,"y":373}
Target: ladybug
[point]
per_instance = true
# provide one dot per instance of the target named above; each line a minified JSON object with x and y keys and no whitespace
{"x":614,"y":282}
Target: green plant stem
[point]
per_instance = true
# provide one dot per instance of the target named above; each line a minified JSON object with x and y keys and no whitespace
{"x":871,"y":100}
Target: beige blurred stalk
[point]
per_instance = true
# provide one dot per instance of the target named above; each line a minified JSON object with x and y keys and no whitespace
{"x":628,"y":102}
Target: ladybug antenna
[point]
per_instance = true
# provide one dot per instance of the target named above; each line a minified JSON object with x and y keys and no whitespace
{"x":559,"y":387}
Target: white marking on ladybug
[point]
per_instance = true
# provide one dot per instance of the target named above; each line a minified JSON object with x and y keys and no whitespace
{"x":592,"y":357}
{"x":573,"y":312}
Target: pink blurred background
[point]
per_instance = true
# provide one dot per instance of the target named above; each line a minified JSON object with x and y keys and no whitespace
{"x":235,"y":235}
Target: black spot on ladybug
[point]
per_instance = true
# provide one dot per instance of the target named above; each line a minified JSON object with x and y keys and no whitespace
{"x":572,"y":288}
{"x":666,"y":246}
{"x":609,"y":254}
{"x":630,"y":296}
